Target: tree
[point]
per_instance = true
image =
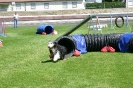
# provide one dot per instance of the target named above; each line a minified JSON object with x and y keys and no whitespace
{"x":107,"y":1}
{"x":110,"y":0}
{"x":116,"y":0}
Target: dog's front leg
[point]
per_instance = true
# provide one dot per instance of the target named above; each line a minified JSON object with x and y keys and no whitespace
{"x":56,"y":57}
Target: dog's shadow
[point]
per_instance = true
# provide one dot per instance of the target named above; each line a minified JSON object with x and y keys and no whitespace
{"x":47,"y":61}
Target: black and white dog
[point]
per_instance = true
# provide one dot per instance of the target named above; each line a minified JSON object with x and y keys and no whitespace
{"x":57,"y":51}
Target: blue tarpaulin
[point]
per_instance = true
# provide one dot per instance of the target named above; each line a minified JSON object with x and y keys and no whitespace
{"x":123,"y":42}
{"x":80,"y":43}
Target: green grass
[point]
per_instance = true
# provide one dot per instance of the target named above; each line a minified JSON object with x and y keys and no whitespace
{"x":23,"y":51}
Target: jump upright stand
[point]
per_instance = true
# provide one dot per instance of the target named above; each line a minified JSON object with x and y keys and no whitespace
{"x":96,"y":25}
{"x":3,"y":28}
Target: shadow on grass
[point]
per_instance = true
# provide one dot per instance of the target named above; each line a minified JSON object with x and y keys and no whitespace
{"x":47,"y":61}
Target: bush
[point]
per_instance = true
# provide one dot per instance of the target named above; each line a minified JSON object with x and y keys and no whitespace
{"x":105,"y":5}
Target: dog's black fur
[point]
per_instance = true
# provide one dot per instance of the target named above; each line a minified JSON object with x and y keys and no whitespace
{"x":62,"y":50}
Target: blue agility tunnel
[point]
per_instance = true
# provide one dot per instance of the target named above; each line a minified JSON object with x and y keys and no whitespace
{"x":47,"y":28}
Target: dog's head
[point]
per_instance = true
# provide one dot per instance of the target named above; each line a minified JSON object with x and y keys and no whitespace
{"x":51,"y":44}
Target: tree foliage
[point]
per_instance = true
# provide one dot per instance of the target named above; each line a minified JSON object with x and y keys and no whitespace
{"x":110,"y":0}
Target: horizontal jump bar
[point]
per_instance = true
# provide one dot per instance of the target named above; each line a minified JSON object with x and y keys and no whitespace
{"x":113,"y":14}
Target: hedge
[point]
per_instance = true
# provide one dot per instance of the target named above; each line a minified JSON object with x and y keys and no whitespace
{"x":105,"y":5}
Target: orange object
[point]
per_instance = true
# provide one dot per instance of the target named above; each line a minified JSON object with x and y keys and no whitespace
{"x":76,"y":53}
{"x":111,"y":49}
{"x":44,"y":33}
{"x":54,"y":32}
{"x":1,"y":45}
{"x":107,"y":49}
{"x":104,"y":49}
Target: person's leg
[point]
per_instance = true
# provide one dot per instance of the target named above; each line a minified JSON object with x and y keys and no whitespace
{"x":16,"y":23}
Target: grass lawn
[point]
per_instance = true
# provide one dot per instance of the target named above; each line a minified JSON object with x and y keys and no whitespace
{"x":23,"y":51}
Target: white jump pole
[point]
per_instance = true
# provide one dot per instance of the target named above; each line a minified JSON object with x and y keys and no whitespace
{"x":110,"y":22}
{"x":113,"y":14}
{"x":126,"y":21}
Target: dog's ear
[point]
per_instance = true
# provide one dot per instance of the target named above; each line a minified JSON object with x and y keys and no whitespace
{"x":52,"y":41}
{"x":55,"y":43}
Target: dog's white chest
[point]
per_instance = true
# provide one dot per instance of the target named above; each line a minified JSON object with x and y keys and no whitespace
{"x":56,"y":54}
{"x":54,"y":51}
